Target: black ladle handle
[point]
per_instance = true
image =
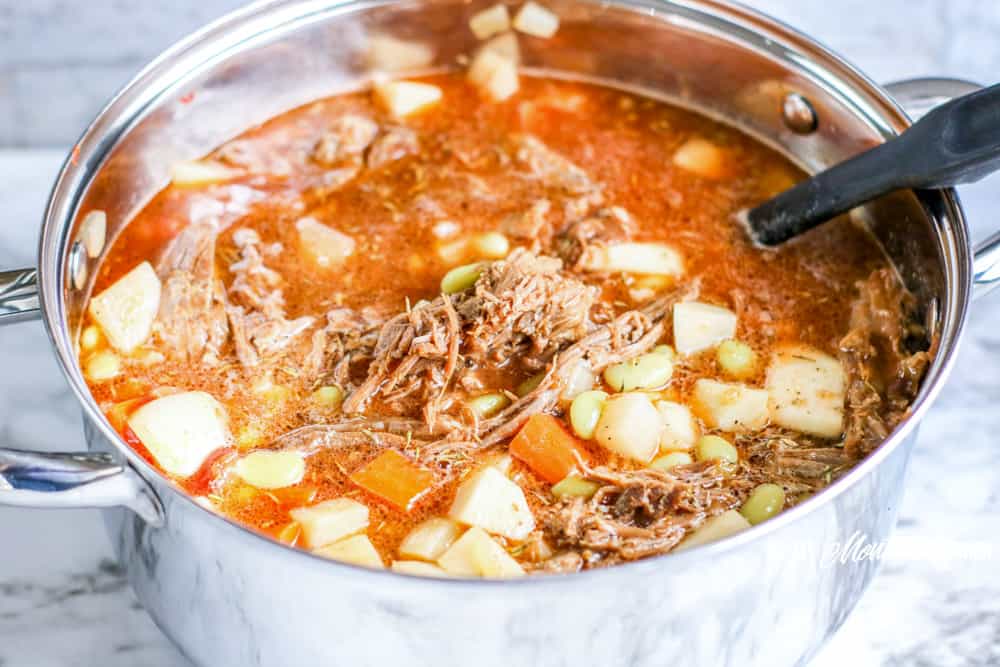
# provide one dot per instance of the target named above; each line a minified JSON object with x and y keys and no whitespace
{"x":957,"y":142}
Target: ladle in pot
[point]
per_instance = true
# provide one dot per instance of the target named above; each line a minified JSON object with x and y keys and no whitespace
{"x":956,"y":143}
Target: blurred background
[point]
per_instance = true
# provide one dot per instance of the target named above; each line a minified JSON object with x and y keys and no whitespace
{"x":60,"y":59}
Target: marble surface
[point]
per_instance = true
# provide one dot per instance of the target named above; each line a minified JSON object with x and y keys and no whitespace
{"x":935,"y":603}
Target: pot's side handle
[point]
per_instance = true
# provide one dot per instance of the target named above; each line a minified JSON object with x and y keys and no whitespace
{"x":917,"y":97}
{"x":55,"y":480}
{"x":18,"y":296}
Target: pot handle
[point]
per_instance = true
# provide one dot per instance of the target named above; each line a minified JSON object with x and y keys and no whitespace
{"x":57,"y":480}
{"x":18,"y":296}
{"x":84,"y":480}
{"x":917,"y":97}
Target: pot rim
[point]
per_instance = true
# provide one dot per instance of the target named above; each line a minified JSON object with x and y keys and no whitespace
{"x":864,"y":96}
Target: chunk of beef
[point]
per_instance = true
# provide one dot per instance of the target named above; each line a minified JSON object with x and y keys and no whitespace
{"x":550,"y":168}
{"x":523,"y":306}
{"x":884,"y":373}
{"x":639,"y":513}
{"x":347,"y":139}
{"x":191,"y":322}
{"x":393,"y":144}
{"x":256,"y":310}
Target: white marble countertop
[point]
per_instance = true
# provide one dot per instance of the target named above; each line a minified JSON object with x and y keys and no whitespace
{"x":936,"y":601}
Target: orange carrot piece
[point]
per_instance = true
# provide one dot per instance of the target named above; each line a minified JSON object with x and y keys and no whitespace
{"x":544,"y":445}
{"x":394,"y":478}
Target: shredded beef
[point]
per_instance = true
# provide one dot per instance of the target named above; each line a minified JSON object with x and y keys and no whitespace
{"x":884,"y":373}
{"x":191,"y":321}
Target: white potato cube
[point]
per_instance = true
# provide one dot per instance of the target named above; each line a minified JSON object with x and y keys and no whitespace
{"x":330,"y":521}
{"x":505,"y":45}
{"x":535,"y":20}
{"x":699,"y":326}
{"x":181,"y":430}
{"x":719,"y":526}
{"x":200,"y":172}
{"x":356,"y":550}
{"x":327,"y":246}
{"x":126,"y":310}
{"x":630,"y":426}
{"x":494,"y":503}
{"x":430,"y":539}
{"x":94,"y":232}
{"x":404,"y":98}
{"x":731,"y":407}
{"x":807,"y":390}
{"x":701,"y":157}
{"x":418,"y":568}
{"x":679,"y":428}
{"x":476,"y":554}
{"x":268,"y":469}
{"x":490,"y":21}
{"x":389,"y":54}
{"x":649,"y":259}
{"x":494,"y":75}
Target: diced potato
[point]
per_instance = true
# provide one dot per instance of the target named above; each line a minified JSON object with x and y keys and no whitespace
{"x":356,"y":550}
{"x":93,"y":233}
{"x":699,"y":326}
{"x":126,"y":310}
{"x":389,"y":54}
{"x":430,"y":539}
{"x":719,"y":526}
{"x":505,"y":45}
{"x":630,"y":426}
{"x":490,"y":21}
{"x":494,"y":75}
{"x":418,"y":568}
{"x":730,"y":407}
{"x":200,"y":172}
{"x":657,"y":259}
{"x":102,"y":366}
{"x":807,"y":390}
{"x":325,"y":245}
{"x":701,"y":157}
{"x":679,"y":428}
{"x":476,"y":554}
{"x":181,"y":430}
{"x":404,"y":98}
{"x":266,"y":469}
{"x":494,"y":503}
{"x":330,"y":521}
{"x":535,"y":20}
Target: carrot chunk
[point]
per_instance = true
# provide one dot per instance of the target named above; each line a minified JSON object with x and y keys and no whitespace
{"x":544,"y":445}
{"x":395,"y":479}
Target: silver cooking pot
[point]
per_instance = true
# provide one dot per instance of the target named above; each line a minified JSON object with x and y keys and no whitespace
{"x":225,"y":596}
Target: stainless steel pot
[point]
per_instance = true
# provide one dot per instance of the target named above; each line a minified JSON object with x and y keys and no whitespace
{"x":770,"y":596}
